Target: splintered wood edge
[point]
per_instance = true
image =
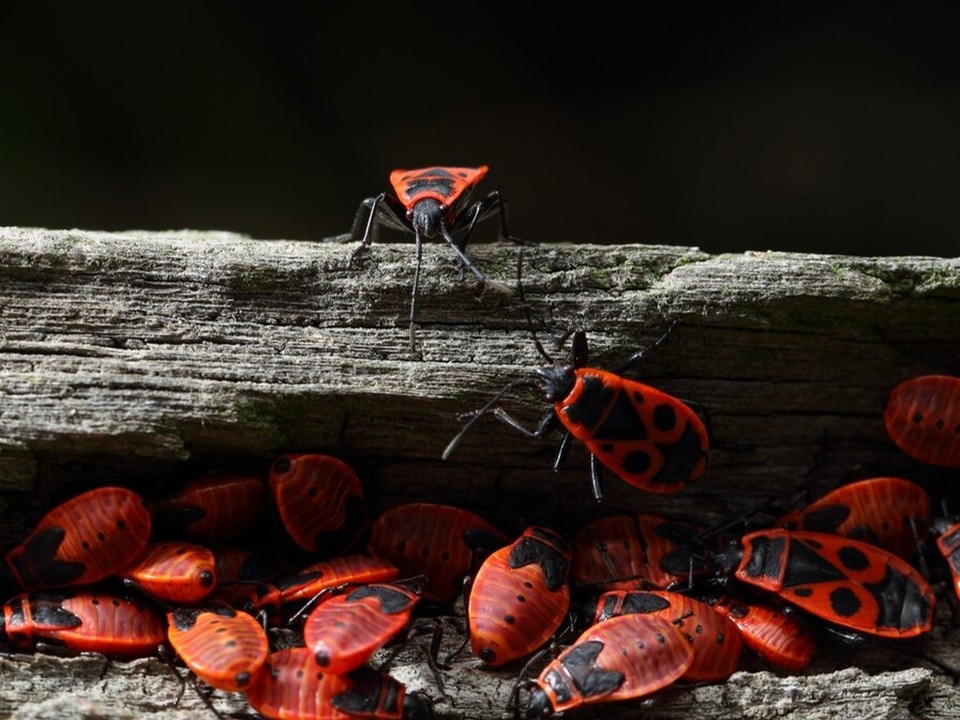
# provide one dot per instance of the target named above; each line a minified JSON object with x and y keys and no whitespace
{"x":136,"y":354}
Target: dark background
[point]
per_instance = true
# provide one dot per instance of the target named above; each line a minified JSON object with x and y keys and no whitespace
{"x":730,"y":126}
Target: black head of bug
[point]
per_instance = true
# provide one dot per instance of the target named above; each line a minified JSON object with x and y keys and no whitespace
{"x":556,"y":382}
{"x":426,"y":217}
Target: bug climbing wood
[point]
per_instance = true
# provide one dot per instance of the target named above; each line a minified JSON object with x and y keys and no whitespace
{"x":132,"y":358}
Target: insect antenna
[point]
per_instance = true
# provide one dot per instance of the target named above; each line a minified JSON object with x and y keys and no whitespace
{"x":477,"y":414}
{"x":526,"y":310}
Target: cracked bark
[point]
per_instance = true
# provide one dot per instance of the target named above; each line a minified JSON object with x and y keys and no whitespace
{"x":139,"y":357}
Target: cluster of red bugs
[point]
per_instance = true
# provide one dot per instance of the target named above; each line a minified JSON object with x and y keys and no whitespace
{"x":619,"y":608}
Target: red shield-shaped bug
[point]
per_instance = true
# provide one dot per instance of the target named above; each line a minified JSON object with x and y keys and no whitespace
{"x":624,"y":552}
{"x":440,"y":542}
{"x":293,"y":687}
{"x":213,"y":508}
{"x":923,"y":419}
{"x":646,"y":437}
{"x":889,"y":512}
{"x":173,"y":572}
{"x":430,"y":202}
{"x":297,"y":590}
{"x":86,"y":539}
{"x":224,"y":647}
{"x":846,"y":582}
{"x":320,"y":501}
{"x":715,"y":640}
{"x":775,"y":636}
{"x":84,"y":621}
{"x":519,"y":597}
{"x":344,"y":631}
{"x":623,"y":658}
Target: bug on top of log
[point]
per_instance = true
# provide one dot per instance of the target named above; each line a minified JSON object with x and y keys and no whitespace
{"x":649,"y":439}
{"x":428,"y":202}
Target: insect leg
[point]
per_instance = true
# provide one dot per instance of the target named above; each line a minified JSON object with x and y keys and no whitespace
{"x":365,"y":220}
{"x":634,"y":360}
{"x":596,"y":478}
{"x":464,"y":258}
{"x":546,"y":425}
{"x":415,"y":293}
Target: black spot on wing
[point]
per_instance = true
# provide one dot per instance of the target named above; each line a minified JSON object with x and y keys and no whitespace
{"x":806,"y":566}
{"x":391,"y":599}
{"x":826,"y":519}
{"x":903,"y":604}
{"x":529,"y":551}
{"x":679,"y":458}
{"x":591,"y":403}
{"x":623,"y":422}
{"x":591,"y":680}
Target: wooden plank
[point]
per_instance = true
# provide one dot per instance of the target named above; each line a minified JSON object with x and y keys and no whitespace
{"x":143,"y":357}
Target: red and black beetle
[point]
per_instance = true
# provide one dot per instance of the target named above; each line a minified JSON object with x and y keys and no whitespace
{"x":428,"y":202}
{"x":922,"y":417}
{"x":84,"y":620}
{"x":443,"y":543}
{"x":845,"y":582}
{"x":890,"y":512}
{"x":344,"y":631}
{"x":623,"y":658}
{"x":320,"y":501}
{"x":520,"y":596}
{"x":648,"y":438}
{"x":293,"y":687}
{"x":83,"y":540}
{"x":224,"y":647}
{"x":714,"y":638}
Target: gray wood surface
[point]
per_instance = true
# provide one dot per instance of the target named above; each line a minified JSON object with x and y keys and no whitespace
{"x":143,"y":357}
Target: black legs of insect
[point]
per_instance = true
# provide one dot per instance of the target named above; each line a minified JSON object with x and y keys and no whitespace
{"x":425,"y":220}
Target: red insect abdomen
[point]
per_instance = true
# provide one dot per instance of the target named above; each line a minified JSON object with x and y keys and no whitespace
{"x":344,"y":632}
{"x":441,"y":542}
{"x":85,"y":621}
{"x":174,"y":572}
{"x":519,"y":597}
{"x":226,"y":648}
{"x":923,"y":419}
{"x":320,"y":501}
{"x":83,"y":540}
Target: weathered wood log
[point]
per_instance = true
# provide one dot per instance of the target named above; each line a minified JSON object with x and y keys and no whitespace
{"x":139,"y":358}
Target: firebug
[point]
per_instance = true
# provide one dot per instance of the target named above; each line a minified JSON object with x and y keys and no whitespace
{"x":173,"y":572}
{"x":623,"y":658}
{"x":428,"y":202}
{"x":84,"y":620}
{"x":624,"y":552}
{"x":714,"y":638}
{"x":83,"y":540}
{"x":344,"y":631}
{"x":224,"y":647}
{"x":648,"y":438}
{"x":775,"y":636}
{"x":890,"y":512}
{"x":520,"y":596}
{"x":276,"y":597}
{"x":320,"y":501}
{"x":293,"y":687}
{"x":443,"y":543}
{"x":922,"y":417}
{"x":845,"y":582}
{"x":212,"y":508}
